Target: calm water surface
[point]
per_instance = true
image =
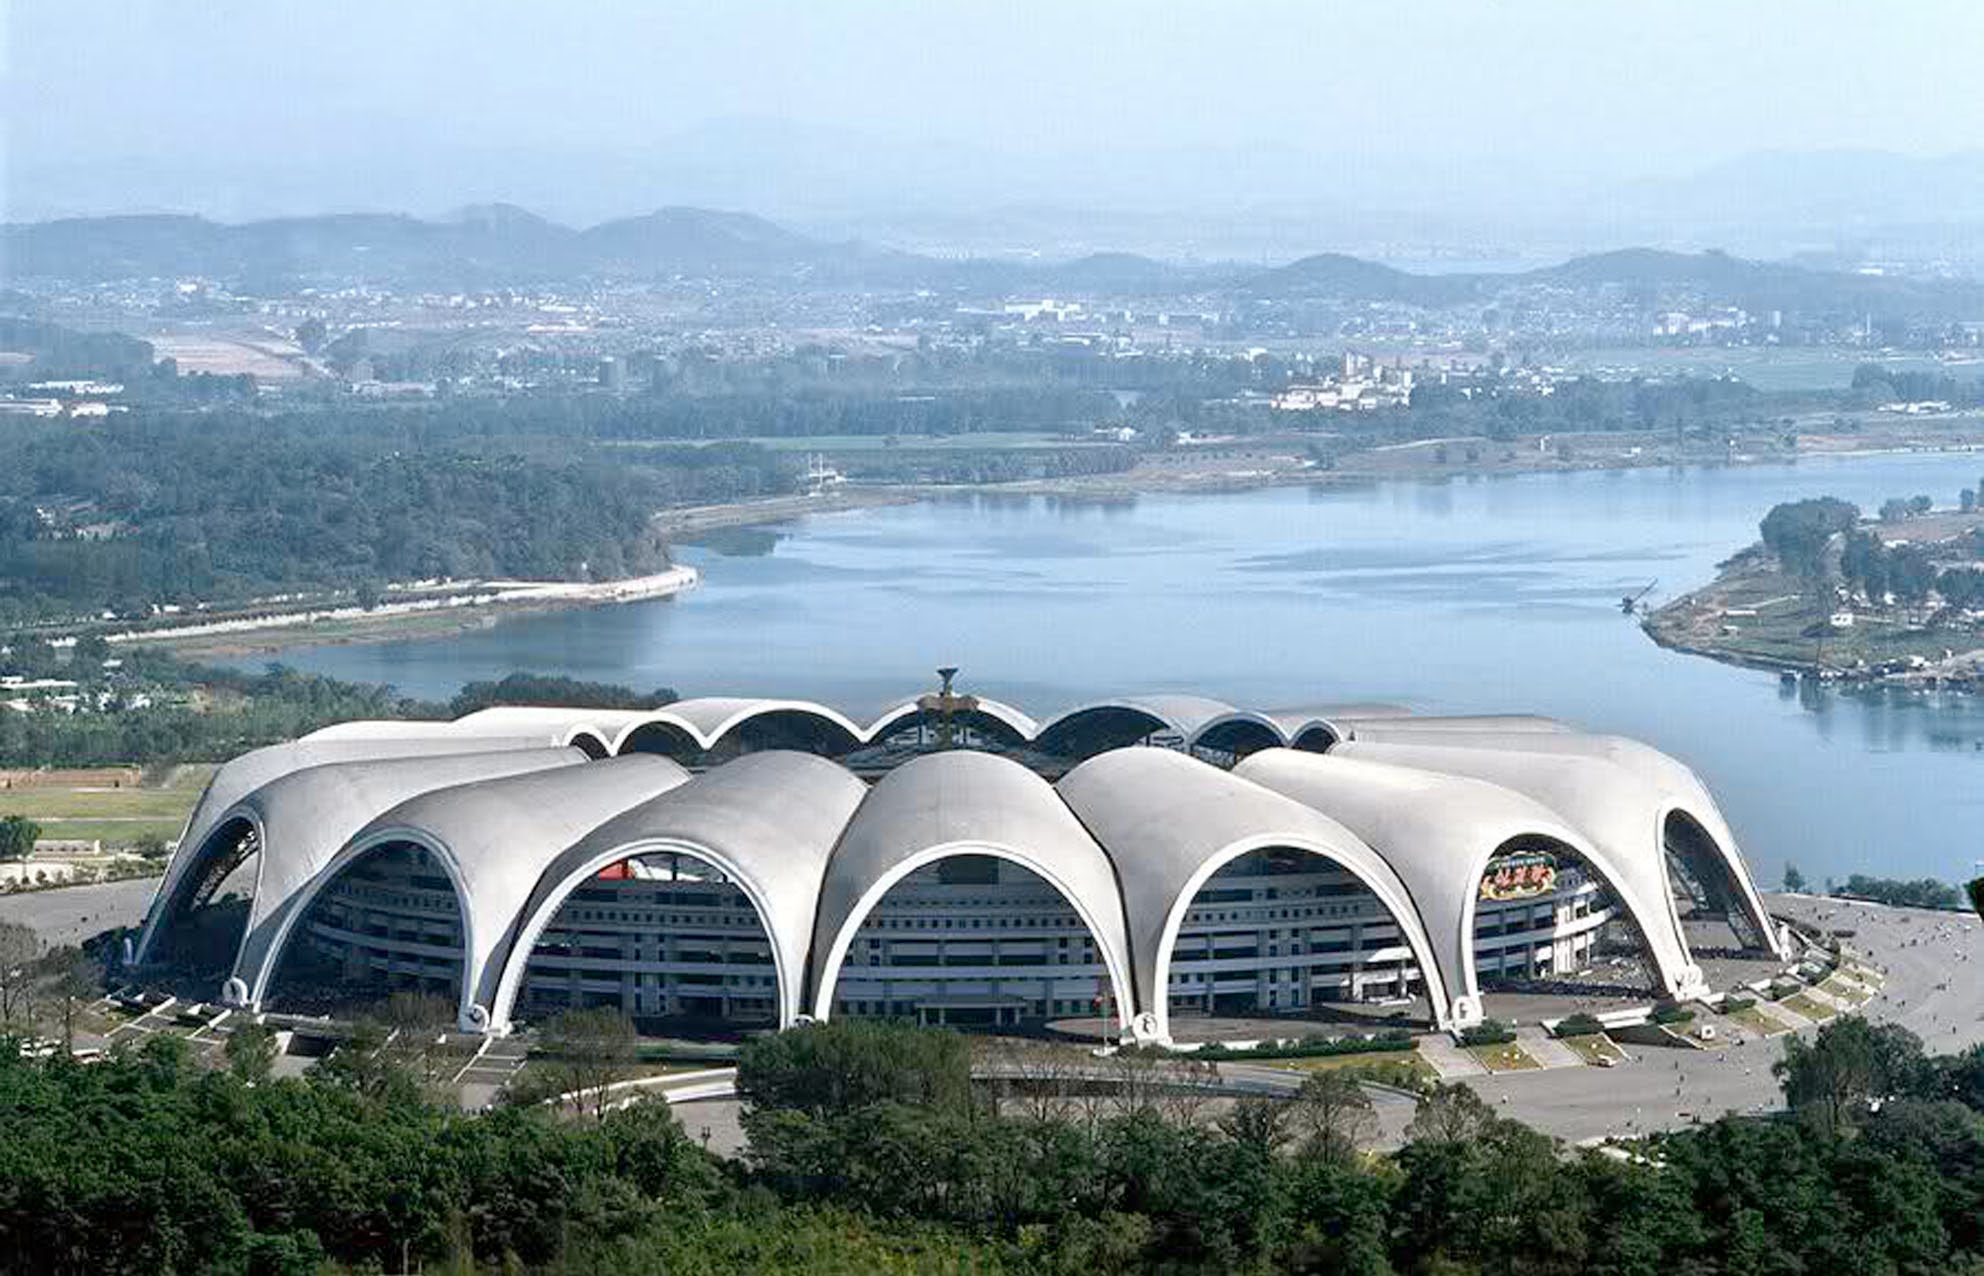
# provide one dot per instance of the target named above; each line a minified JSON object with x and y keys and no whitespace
{"x":1474,"y":596}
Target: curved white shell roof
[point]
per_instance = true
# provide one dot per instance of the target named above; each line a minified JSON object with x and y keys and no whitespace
{"x":315,"y":812}
{"x":1413,"y":806}
{"x":963,"y":803}
{"x":768,"y":821}
{"x":1171,"y":822}
{"x":494,"y":839}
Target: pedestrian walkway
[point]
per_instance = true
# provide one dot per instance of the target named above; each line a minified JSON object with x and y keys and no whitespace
{"x":1448,"y":1059}
{"x":493,"y":1066}
{"x":1546,"y":1049}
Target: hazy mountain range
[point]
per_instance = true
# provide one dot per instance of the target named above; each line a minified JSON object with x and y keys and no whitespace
{"x":499,"y":244}
{"x":1252,"y":198}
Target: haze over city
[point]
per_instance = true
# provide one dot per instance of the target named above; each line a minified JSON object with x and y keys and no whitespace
{"x":1275,"y":128}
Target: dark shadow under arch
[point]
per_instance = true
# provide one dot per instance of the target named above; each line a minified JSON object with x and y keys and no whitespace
{"x":1088,"y":732}
{"x":663,"y":738}
{"x":795,"y":730}
{"x":389,"y":919}
{"x":1236,"y":738}
{"x":201,"y":925}
{"x":973,"y":726}
{"x":1316,"y":739}
{"x":1699,"y":867}
{"x":694,"y":969}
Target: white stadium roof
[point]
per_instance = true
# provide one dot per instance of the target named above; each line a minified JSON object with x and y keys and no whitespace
{"x":506,"y":802}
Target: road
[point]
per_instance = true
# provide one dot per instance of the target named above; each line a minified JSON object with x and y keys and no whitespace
{"x":1659,"y":1089}
{"x":72,"y":914}
{"x":1664,"y":1089}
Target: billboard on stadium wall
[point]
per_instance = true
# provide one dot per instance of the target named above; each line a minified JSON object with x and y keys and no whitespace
{"x":1522,"y":875}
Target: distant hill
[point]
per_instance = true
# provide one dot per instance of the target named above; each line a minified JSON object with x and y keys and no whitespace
{"x":58,"y":353}
{"x":1762,"y":286}
{"x":483,"y":243}
{"x":501,"y":243}
{"x":1333,"y":275}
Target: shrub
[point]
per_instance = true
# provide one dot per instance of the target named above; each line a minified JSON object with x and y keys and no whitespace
{"x":1730,"y":1005}
{"x":1578,"y":1025}
{"x":1671,"y":1013}
{"x":1489,"y":1032}
{"x":1392,"y":1039}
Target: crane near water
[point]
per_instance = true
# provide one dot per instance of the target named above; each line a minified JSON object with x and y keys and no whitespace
{"x":1630,"y":603}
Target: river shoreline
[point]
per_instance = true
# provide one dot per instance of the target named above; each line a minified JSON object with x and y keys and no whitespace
{"x":1220,"y":468}
{"x":435,"y":613}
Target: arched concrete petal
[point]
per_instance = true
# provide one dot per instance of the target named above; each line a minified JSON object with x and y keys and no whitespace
{"x":1666,"y":785}
{"x":1601,"y":801}
{"x":1332,"y":718}
{"x":1236,"y":725}
{"x":238,"y":778}
{"x":304,"y":819}
{"x":1438,"y":832}
{"x":768,"y":821}
{"x":1411,"y":729}
{"x":708,"y":719}
{"x":495,"y":837}
{"x":1013,"y":719}
{"x":964,"y":803}
{"x":1170,"y":821}
{"x":1181,"y":714}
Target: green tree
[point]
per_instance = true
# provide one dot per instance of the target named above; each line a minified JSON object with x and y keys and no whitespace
{"x":20,"y":948}
{"x":847,"y":1064}
{"x":588,"y":1052}
{"x":1797,"y":532}
{"x":1333,"y":1115}
{"x":251,"y":1051}
{"x":68,"y":979}
{"x":18,"y":835}
{"x":1833,"y":1079}
{"x":1794,"y":881}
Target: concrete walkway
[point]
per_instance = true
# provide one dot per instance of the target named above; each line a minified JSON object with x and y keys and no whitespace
{"x":1448,"y":1059}
{"x":1546,"y":1049}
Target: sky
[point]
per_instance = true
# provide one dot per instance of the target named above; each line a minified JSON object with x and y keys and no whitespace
{"x":591,"y":108}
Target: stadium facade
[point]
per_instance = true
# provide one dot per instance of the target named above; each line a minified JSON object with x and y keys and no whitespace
{"x":756,"y":862}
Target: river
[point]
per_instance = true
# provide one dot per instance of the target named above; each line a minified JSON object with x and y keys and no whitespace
{"x":1484,"y":595}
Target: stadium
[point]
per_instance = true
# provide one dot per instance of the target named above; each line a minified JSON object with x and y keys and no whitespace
{"x":1142,"y":864}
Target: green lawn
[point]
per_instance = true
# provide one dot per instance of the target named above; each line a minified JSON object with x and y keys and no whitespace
{"x":1799,"y":1003}
{"x":1504,"y":1058}
{"x":92,"y":808}
{"x":1755,"y":1021}
{"x":1595,"y":1046}
{"x":1840,"y":989}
